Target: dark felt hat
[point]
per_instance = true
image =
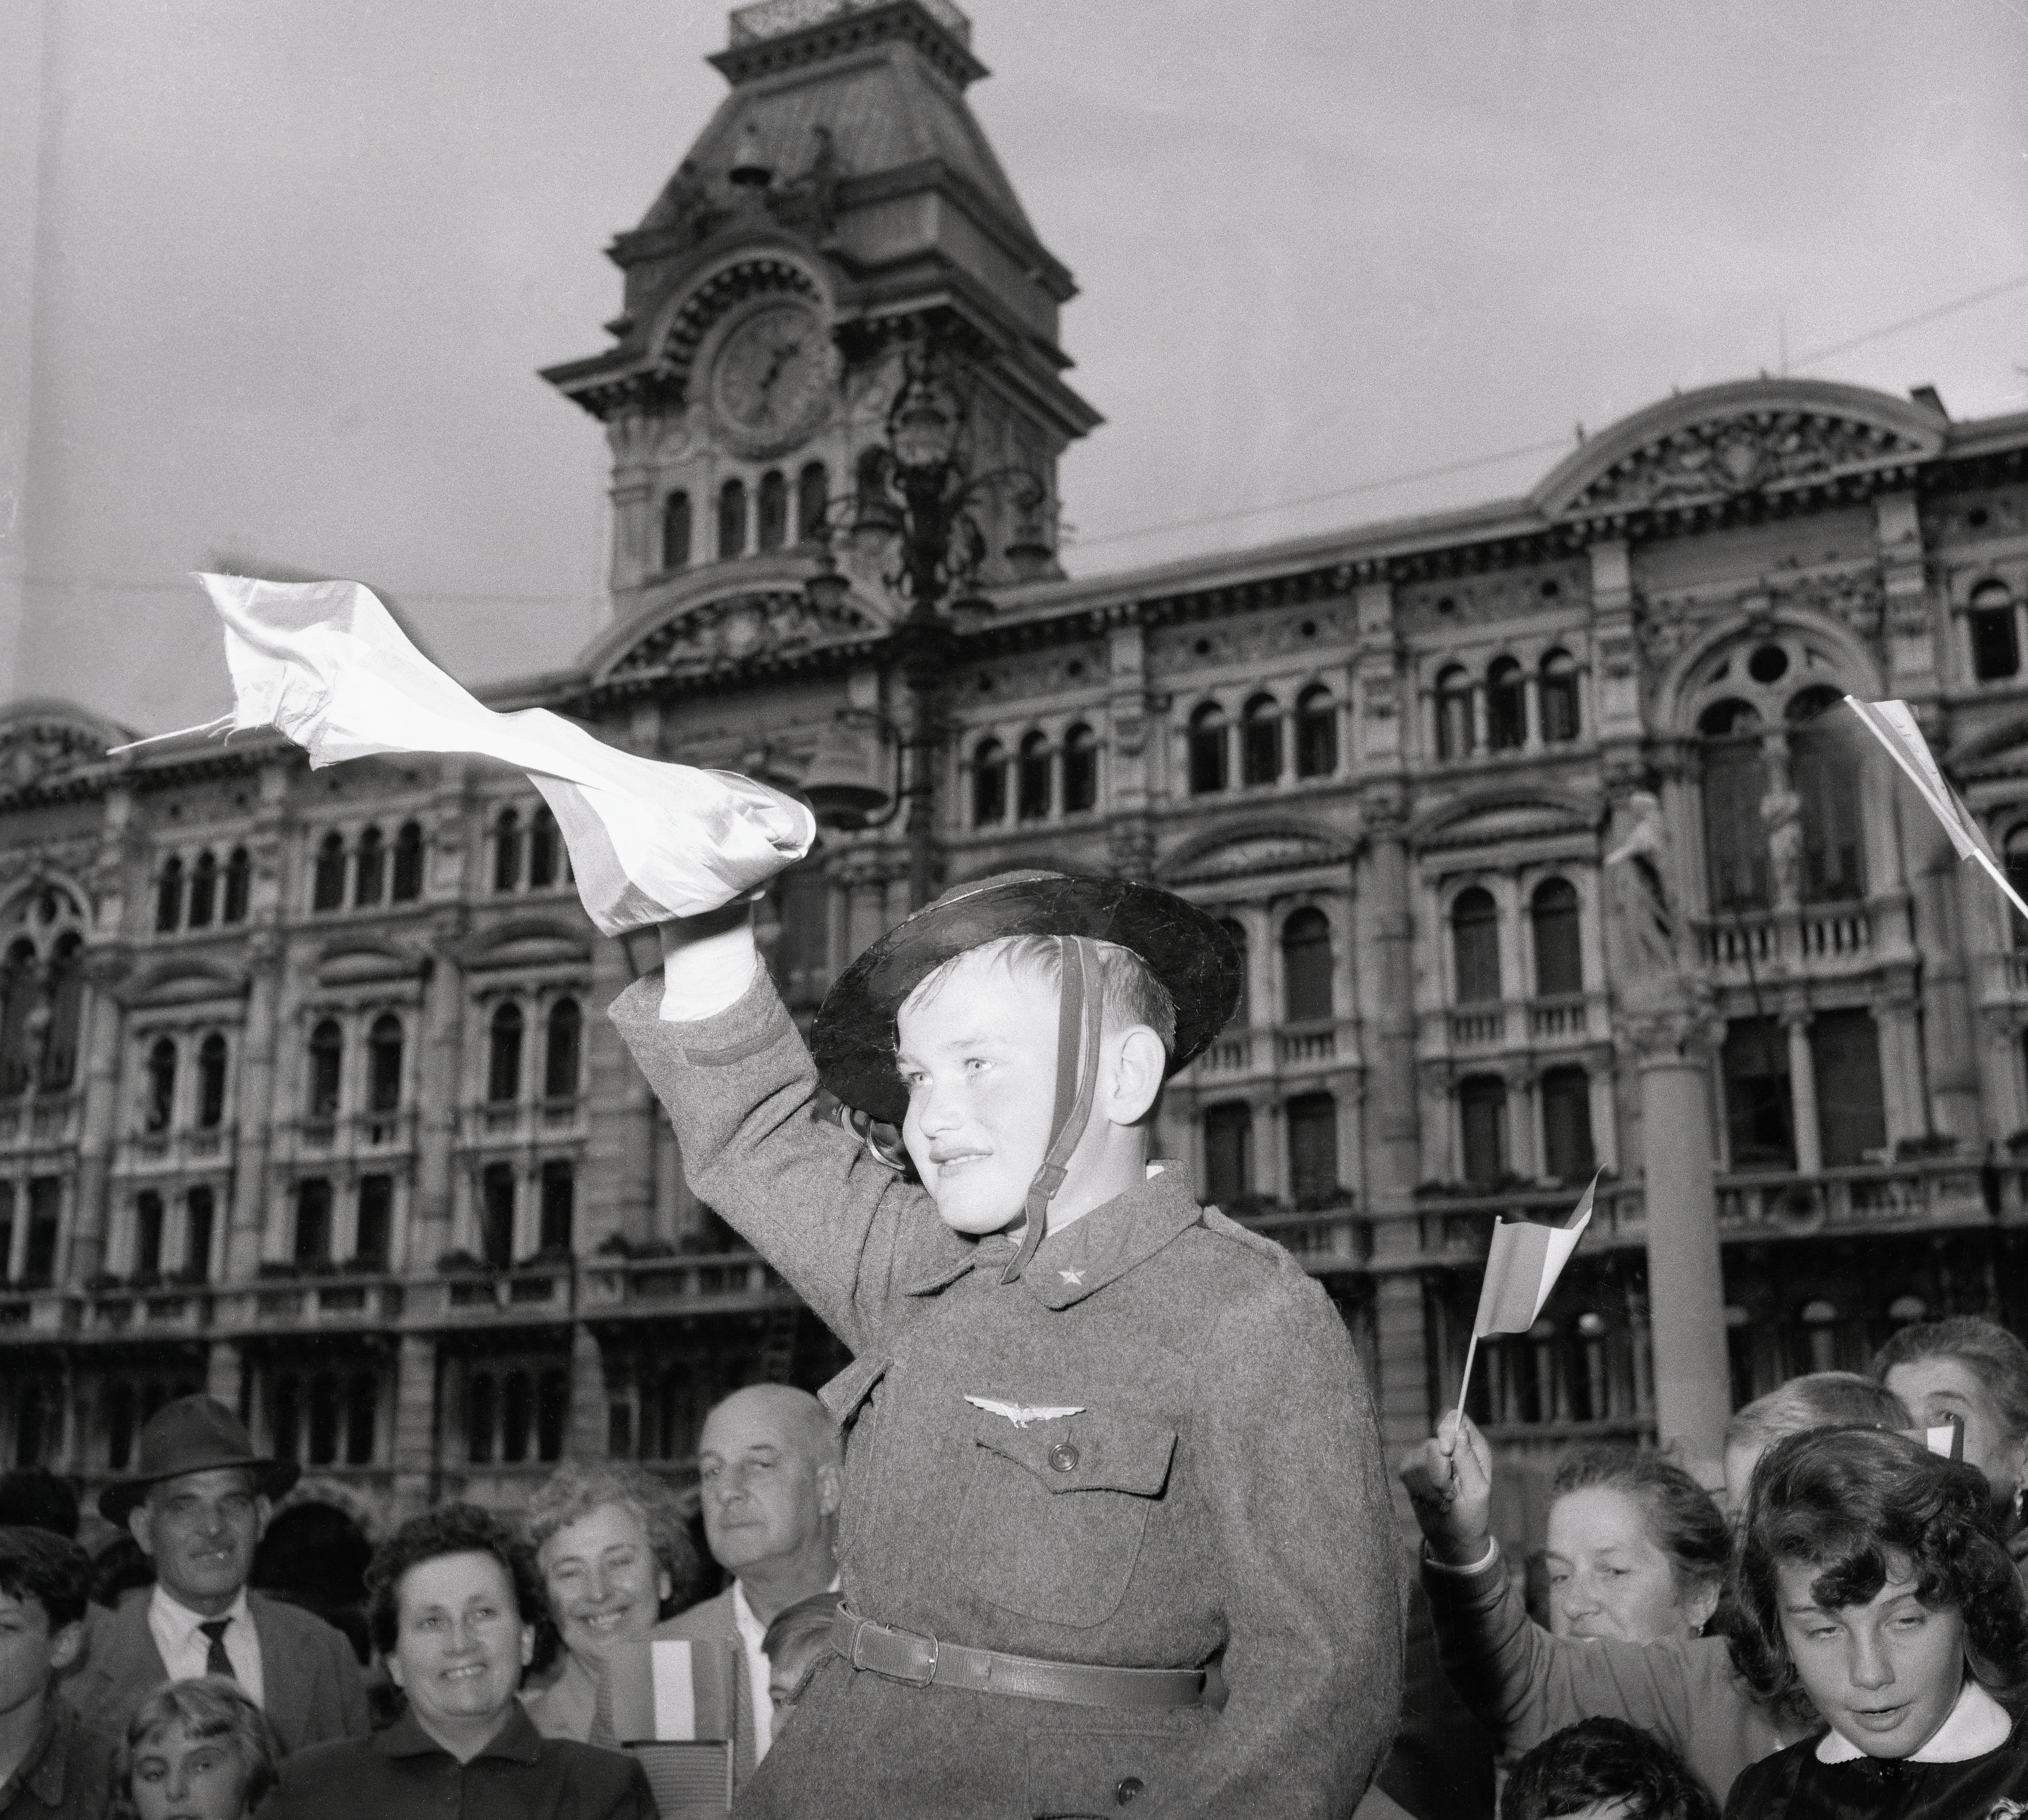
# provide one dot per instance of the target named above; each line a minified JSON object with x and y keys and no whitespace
{"x":192,"y":1434}
{"x":852,"y":1039}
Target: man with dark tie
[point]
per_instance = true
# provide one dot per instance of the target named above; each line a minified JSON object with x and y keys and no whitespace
{"x":197,"y":1504}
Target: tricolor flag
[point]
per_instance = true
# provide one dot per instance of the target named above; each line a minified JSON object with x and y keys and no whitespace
{"x":1944,"y":1439}
{"x":1894,"y":726}
{"x":325,"y":664}
{"x":1521,"y":1266}
{"x":673,"y":1690}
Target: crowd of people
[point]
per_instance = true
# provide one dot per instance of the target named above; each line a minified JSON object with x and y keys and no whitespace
{"x":462,"y":1664}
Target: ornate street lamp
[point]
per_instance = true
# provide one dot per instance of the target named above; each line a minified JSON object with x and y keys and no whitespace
{"x":916,"y":491}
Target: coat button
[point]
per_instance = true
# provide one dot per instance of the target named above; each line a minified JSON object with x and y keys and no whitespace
{"x":1064,"y":1457}
{"x":1129,"y":1787}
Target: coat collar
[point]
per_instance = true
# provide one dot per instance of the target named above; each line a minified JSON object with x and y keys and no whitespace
{"x":517,"y":1741}
{"x":42,"y":1771}
{"x":1088,"y":1254}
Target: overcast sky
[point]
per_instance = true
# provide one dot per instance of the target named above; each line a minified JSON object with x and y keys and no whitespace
{"x":297,"y":266}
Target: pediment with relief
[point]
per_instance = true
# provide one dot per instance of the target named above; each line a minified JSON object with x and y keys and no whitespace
{"x":1248,"y":853}
{"x":1766,"y":436}
{"x":1492,"y":823}
{"x":183,"y":980}
{"x":723,"y":633}
{"x":361,"y":964}
{"x":42,"y":741}
{"x":527,"y":945}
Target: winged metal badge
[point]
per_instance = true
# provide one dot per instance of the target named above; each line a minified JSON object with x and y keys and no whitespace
{"x":1022,"y":1414}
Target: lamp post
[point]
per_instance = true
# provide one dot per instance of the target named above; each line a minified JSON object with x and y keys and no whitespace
{"x":915,"y":489}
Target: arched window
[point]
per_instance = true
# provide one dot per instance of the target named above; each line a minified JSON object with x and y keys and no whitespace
{"x":541,"y":849}
{"x":211,"y":1082}
{"x":989,"y":783}
{"x":1506,"y":706}
{"x":732,"y":519}
{"x":199,"y":1215}
{"x":1032,"y":790}
{"x":1826,"y":763}
{"x":327,"y":881}
{"x":1208,"y":770}
{"x":324,"y":1418}
{"x":507,"y":850}
{"x":238,"y":876}
{"x":480,"y":1419}
{"x":1228,"y":1141}
{"x":407,"y":863}
{"x":373,"y":1231}
{"x":1261,"y":742}
{"x":1996,"y":637}
{"x":169,"y":897}
{"x":551,"y":1413}
{"x":369,"y":874}
{"x":1475,"y":946}
{"x":517,"y":1414}
{"x":1567,"y":1149}
{"x":362,"y":1400}
{"x":560,"y":1050}
{"x":66,"y":1003}
{"x":676,"y":531}
{"x":1316,"y":733}
{"x":1558,"y":686}
{"x":326,"y":1064}
{"x":773,"y":513}
{"x":503,"y":1055}
{"x":496,"y":1213}
{"x":148,"y":1233}
{"x":1559,"y":952}
{"x":120,"y":1425}
{"x":313,"y":1220}
{"x":1242,"y":1017}
{"x":383,"y":1063}
{"x":161,"y":1083}
{"x":1482,"y":1128}
{"x":203,"y":890}
{"x":1306,"y":967}
{"x":2017,"y":875}
{"x":1454,"y":712}
{"x":812,"y":491}
{"x":17,"y":1025}
{"x":1312,"y":1122}
{"x":1080,"y":771}
{"x":1735,"y":780}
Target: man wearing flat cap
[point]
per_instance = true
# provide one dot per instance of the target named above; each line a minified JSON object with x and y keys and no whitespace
{"x":1116,"y":1532}
{"x":197,"y":1503}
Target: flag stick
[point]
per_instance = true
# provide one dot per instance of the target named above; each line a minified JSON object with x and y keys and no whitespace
{"x":209,"y":726}
{"x":1464,"y":1383}
{"x":2000,"y":879}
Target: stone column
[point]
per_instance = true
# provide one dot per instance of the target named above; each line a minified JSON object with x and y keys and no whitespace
{"x":1686,"y":1279}
{"x":98,"y":1121}
{"x":256,"y":1111}
{"x":619,"y":1184}
{"x":440,"y":1091}
{"x":414,"y":1453}
{"x":588,"y":1434}
{"x":1802,"y":1095}
{"x":630,"y":434}
{"x":1386,"y":989}
{"x":225,"y":1372}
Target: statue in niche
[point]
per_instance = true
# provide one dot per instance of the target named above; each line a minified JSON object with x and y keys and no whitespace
{"x":1781,"y":819}
{"x":1641,"y":868}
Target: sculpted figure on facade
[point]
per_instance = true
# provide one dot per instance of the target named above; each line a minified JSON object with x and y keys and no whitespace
{"x":1647,"y":924}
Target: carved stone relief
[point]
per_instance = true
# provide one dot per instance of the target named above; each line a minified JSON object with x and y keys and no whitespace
{"x":1059,"y":671}
{"x":1253,"y":638}
{"x":745,"y":626}
{"x":38,"y":752}
{"x":1478,"y":600}
{"x":1752,"y":452}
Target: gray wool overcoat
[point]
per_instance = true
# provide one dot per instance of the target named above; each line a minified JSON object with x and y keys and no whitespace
{"x":1228,"y":1503}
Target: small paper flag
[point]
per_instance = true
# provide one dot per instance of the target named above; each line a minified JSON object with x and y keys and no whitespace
{"x":1894,"y":726}
{"x":1945,"y":1439}
{"x":1522,"y":1266}
{"x":672,"y":1690}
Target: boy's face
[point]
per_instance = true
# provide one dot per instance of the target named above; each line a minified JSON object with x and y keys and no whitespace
{"x":979,"y":1057}
{"x":1884,"y":1674}
{"x":30,"y":1651}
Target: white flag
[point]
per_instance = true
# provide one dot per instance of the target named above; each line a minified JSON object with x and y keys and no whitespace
{"x":324,"y":663}
{"x":1894,"y":726}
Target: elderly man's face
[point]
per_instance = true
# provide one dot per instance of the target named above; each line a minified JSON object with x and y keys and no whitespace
{"x":766,"y":1491}
{"x":979,"y":1057}
{"x":200,"y":1528}
{"x":605,"y":1584}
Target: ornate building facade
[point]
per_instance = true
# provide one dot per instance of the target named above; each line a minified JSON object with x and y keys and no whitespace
{"x":306,"y":1094}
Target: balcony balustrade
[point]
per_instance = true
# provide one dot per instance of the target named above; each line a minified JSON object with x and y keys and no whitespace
{"x":705,"y":1284}
{"x":27,"y":1124}
{"x":502,"y":1124}
{"x":347,"y":1137}
{"x":1943,"y":1192}
{"x":167,"y":1152}
{"x":1265,"y":1052}
{"x":1822,"y":939}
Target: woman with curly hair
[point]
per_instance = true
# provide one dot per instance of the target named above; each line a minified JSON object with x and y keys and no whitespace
{"x":1876,"y":1598}
{"x":455,"y":1600}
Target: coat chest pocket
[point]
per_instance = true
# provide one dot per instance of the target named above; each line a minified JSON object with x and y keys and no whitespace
{"x":1052,"y":1523}
{"x":845,"y":1396}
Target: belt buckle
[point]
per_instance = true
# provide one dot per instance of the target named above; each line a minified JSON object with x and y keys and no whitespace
{"x":924,"y":1679}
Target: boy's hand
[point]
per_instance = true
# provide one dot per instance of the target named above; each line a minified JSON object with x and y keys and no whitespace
{"x":708,"y":960}
{"x":680,"y":932}
{"x":1449,"y":1479}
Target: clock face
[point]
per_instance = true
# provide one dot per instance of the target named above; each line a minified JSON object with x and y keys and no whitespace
{"x":773,"y":378}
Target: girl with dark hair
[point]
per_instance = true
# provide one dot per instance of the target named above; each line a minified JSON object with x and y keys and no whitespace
{"x":1874,"y":1598}
{"x":1637,"y":1549}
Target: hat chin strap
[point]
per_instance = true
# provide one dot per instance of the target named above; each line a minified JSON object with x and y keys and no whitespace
{"x":1078,"y":1018}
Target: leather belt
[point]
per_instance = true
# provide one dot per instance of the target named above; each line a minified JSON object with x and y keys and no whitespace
{"x":919,"y":1661}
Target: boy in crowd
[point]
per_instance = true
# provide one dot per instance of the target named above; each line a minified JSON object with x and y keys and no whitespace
{"x":1115,"y":1530}
{"x":51,"y":1763}
{"x":1604,"y":1769}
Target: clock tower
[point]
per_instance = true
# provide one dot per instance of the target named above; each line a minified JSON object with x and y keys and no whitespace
{"x":841,"y":207}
